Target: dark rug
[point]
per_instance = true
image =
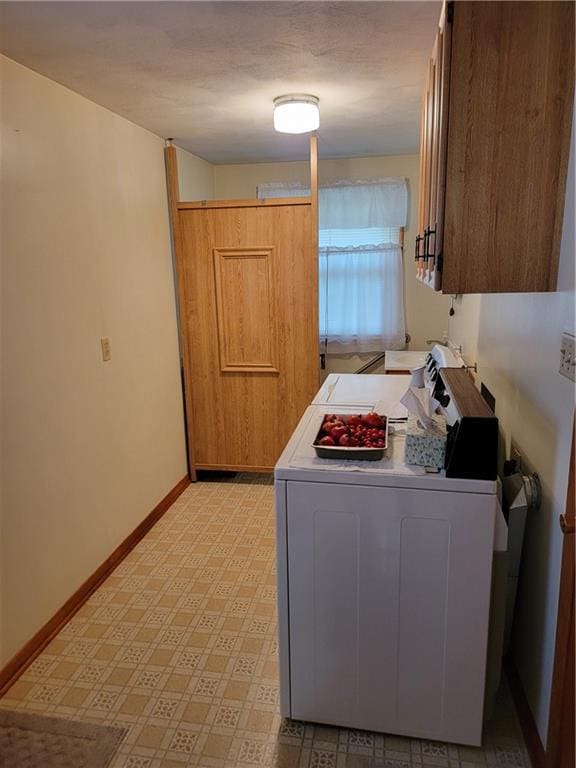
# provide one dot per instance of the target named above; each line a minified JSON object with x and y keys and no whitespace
{"x":35,"y":741}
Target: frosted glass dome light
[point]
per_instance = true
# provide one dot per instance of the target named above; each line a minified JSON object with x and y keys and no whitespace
{"x":296,"y":113}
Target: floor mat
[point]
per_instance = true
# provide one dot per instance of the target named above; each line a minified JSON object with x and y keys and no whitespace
{"x":35,"y":741}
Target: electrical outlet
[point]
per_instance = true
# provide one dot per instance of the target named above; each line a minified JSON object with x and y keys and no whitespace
{"x":567,"y":357}
{"x":106,"y":352}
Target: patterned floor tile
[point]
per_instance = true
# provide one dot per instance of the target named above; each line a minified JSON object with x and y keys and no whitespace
{"x":179,"y":647}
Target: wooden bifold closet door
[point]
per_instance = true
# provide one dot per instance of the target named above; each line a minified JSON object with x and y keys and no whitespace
{"x":248,"y":285}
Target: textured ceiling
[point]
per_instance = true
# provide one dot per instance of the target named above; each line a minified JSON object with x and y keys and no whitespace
{"x":205,"y":73}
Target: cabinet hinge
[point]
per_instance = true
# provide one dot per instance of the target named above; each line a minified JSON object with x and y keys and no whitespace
{"x":450,"y":13}
{"x":439,"y":262}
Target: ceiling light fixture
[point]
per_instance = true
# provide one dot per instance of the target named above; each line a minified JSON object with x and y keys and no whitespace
{"x":296,"y":113}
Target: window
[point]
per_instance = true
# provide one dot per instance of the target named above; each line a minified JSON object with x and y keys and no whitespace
{"x":361,"y":289}
{"x":361,"y":284}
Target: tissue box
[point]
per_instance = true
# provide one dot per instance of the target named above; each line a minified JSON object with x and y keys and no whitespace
{"x":426,"y":447}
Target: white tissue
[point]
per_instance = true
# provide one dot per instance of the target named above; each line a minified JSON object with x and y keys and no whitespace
{"x":421,"y":404}
{"x":417,"y":379}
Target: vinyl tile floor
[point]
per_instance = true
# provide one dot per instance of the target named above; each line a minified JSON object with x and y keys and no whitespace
{"x":178,"y":646}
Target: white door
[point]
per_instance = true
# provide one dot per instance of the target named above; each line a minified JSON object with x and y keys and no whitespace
{"x":389,"y":593}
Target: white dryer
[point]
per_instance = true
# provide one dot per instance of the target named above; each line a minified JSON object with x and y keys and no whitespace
{"x":384,"y":576}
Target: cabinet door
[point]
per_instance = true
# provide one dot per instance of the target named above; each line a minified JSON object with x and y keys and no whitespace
{"x":433,"y":137}
{"x":442,"y":93}
{"x":426,"y":150}
{"x":421,"y":186}
{"x":432,"y":170}
{"x":511,"y":99}
{"x":389,"y":593}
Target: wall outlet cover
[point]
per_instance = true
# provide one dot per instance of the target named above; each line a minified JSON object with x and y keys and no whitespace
{"x":568,"y":357}
{"x":106,"y":351}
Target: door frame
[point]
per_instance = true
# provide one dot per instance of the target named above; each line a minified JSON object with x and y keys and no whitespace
{"x":560,"y":747}
{"x":173,"y":191}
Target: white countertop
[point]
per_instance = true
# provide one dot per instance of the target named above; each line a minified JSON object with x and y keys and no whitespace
{"x":403,"y":361}
{"x":299,"y":462}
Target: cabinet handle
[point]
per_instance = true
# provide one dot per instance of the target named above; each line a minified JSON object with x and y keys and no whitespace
{"x":426,"y":236}
{"x":417,"y":249}
{"x":567,"y":524}
{"x":430,"y":253}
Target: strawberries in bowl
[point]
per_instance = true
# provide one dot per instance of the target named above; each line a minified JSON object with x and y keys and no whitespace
{"x":352,"y":436}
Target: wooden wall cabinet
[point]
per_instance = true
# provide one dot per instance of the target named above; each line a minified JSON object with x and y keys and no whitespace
{"x":494,"y":144}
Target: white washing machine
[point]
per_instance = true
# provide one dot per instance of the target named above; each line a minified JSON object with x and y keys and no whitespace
{"x":384,"y":577}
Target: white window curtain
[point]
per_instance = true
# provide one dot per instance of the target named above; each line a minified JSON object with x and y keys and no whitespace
{"x":361,"y":296}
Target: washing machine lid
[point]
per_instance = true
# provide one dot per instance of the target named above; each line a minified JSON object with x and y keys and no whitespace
{"x":364,"y":391}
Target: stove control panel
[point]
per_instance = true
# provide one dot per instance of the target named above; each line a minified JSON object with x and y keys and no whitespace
{"x":472,"y":444}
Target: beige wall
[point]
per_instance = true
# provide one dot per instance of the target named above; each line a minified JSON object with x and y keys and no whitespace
{"x":233,"y":182}
{"x":89,"y":448}
{"x":195,"y":177}
{"x":426,"y":312}
{"x":516,"y":340}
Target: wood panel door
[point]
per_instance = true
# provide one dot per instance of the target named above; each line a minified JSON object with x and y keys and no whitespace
{"x":250,"y":325}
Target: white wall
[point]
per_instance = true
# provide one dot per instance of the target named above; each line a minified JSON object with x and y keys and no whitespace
{"x":426,"y":312}
{"x":516,"y":340}
{"x":89,"y":448}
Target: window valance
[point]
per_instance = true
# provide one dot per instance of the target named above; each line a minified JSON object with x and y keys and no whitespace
{"x":351,"y":204}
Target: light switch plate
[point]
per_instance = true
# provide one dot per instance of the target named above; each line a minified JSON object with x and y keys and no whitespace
{"x":567,"y":357}
{"x":106,"y":351}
